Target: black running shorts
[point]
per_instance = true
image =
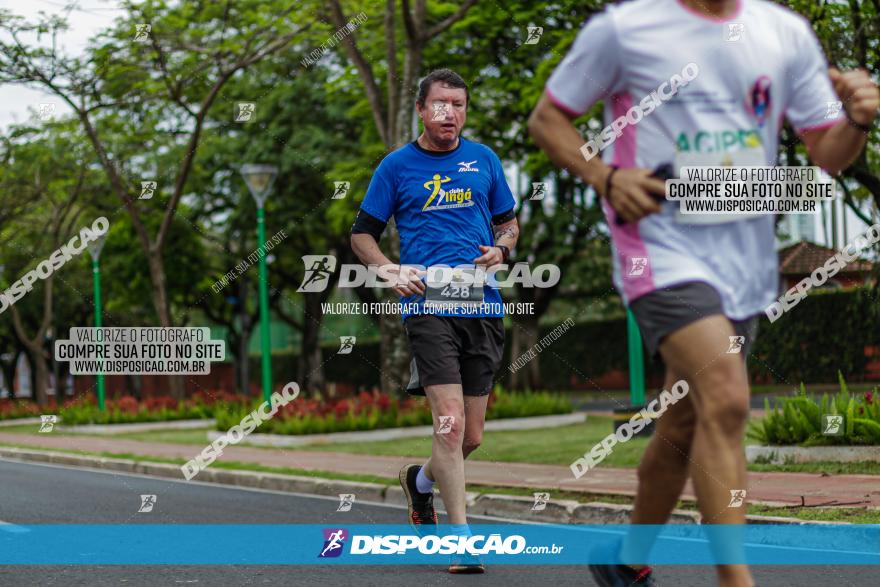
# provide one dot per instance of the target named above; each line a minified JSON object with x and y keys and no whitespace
{"x":663,"y":311}
{"x":451,"y":350}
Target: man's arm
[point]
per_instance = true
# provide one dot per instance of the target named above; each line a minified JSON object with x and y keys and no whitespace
{"x":553,"y":131}
{"x":836,"y":148}
{"x":365,"y":235}
{"x":506,"y":235}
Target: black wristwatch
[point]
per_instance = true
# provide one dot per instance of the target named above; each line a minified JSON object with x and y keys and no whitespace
{"x":865,"y":128}
{"x":505,"y":252}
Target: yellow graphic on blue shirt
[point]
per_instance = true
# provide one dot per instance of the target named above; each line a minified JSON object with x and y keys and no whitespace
{"x":441,"y":199}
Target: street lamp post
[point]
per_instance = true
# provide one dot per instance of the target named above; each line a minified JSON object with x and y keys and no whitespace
{"x":95,"y":251}
{"x":259,"y":179}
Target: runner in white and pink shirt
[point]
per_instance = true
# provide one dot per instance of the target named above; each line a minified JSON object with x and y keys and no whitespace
{"x":725,"y":75}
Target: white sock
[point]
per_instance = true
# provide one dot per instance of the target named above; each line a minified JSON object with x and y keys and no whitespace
{"x":423,"y":484}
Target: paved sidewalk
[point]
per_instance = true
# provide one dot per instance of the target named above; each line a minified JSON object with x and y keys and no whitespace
{"x":773,"y":488}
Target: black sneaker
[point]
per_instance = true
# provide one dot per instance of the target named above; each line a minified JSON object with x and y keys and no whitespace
{"x":422,"y":516}
{"x":621,"y":576}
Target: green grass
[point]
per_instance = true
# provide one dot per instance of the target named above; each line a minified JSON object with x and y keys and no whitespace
{"x":851,"y":515}
{"x":193,"y":436}
{"x":557,"y":446}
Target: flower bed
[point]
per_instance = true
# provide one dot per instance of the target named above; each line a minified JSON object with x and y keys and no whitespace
{"x":16,"y":408}
{"x":801,"y":419}
{"x":375,"y":410}
{"x":126,"y":409}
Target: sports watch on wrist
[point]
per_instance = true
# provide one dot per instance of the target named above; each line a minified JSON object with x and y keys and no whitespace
{"x":866,"y":128}
{"x":505,"y":252}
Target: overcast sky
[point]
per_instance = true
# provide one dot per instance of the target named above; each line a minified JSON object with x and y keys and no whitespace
{"x":92,"y":16}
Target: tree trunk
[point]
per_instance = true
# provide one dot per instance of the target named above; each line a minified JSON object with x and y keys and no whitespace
{"x":310,"y":371}
{"x":8,"y":368}
{"x":163,"y":313}
{"x":395,"y":356}
{"x":41,"y":374}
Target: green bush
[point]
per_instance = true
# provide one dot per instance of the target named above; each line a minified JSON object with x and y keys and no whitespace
{"x":377,"y":411}
{"x":127,"y":409}
{"x":825,"y":333}
{"x":800,"y":419}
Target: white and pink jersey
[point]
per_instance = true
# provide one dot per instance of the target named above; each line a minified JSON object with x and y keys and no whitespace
{"x":756,"y":67}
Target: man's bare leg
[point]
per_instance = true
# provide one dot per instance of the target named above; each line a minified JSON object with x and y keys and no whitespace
{"x":719,"y":393}
{"x":446,"y":465}
{"x":663,"y":470}
{"x":474,"y":420}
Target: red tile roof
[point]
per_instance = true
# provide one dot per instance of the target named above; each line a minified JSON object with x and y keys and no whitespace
{"x":803,"y":257}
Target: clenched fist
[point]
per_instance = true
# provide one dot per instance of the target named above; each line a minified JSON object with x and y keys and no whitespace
{"x":859,"y":94}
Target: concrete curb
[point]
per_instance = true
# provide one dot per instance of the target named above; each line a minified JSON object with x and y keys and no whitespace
{"x":286,"y":440}
{"x":20,"y":421}
{"x":138,"y":426}
{"x":781,"y":455}
{"x":503,"y":506}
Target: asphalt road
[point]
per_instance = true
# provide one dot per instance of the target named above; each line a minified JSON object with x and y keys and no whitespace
{"x":48,"y":494}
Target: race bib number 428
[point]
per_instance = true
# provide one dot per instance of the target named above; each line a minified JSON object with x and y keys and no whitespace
{"x":463,"y":289}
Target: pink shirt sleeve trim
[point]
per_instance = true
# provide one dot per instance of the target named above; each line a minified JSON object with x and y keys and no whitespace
{"x":558,"y":103}
{"x":822,"y":126}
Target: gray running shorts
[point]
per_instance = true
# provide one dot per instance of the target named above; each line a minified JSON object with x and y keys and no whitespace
{"x":664,"y":311}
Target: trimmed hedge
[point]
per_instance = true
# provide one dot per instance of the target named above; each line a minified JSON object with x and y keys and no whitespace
{"x":825,"y":333}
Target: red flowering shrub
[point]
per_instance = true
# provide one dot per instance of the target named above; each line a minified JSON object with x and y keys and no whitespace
{"x":126,"y":404}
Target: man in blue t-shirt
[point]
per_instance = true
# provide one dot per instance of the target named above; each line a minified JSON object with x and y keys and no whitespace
{"x":455,"y":216}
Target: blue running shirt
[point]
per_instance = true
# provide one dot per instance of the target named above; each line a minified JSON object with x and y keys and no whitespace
{"x":443,"y":204}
